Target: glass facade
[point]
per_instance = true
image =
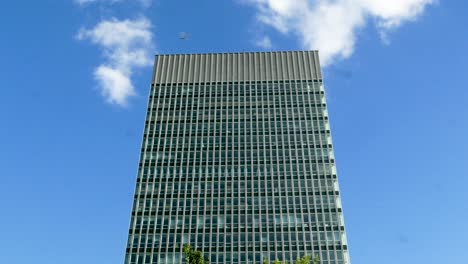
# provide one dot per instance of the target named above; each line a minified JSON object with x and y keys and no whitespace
{"x":241,"y":170}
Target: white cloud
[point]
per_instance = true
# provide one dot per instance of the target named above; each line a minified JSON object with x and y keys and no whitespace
{"x":116,"y":86}
{"x":264,"y":42}
{"x":127,"y":45}
{"x":331,"y":26}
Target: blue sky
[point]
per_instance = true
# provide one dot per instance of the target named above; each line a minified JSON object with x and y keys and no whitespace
{"x":70,"y":133}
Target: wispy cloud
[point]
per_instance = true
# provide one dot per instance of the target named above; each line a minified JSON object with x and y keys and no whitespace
{"x":85,"y":2}
{"x":264,"y":42}
{"x":145,"y":3}
{"x":127,"y":45}
{"x":331,"y":26}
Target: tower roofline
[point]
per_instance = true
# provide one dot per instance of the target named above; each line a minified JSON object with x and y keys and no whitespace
{"x":234,"y":52}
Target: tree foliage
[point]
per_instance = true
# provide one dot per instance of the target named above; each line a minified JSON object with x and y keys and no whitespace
{"x":193,"y":256}
{"x":304,"y":260}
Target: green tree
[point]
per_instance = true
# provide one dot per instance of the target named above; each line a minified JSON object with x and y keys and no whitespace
{"x":304,"y":260}
{"x":193,"y":256}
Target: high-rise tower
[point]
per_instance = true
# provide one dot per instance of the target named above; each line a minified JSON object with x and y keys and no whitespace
{"x":237,"y":161}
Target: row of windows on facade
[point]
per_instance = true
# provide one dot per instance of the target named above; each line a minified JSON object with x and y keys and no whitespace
{"x":235,"y":186}
{"x":247,"y":210}
{"x":235,"y":200}
{"x":257,"y":107}
{"x":286,"y":136}
{"x":150,"y":175}
{"x":236,"y":114}
{"x":229,"y":163}
{"x":272,"y":193}
{"x":275,"y":208}
{"x":230,"y":228}
{"x":236,"y":220}
{"x":212,"y":96}
{"x":201,"y":221}
{"x":244,"y":170}
{"x":168,"y":247}
{"x":261,"y":102}
{"x":245,"y":104}
{"x":177,"y":92}
{"x":254,"y":104}
{"x":234,"y":118}
{"x":252,"y":193}
{"x":156,"y":174}
{"x":237,"y":131}
{"x":234,"y":125}
{"x":247,"y":125}
{"x":326,"y":257}
{"x":244,"y":199}
{"x":232,"y":157}
{"x":228,"y":211}
{"x":218,"y":93}
{"x":239,"y":122}
{"x":239,"y":97}
{"x":233,"y":147}
{"x":267,"y":100}
{"x":280,"y":127}
{"x":258,"y":246}
{"x":241,"y":239}
{"x":270,"y":184}
{"x":208,"y":123}
{"x":314,"y":140}
{"x":171,"y":92}
{"x":275,"y":185}
{"x":222,"y":109}
{"x":239,"y":127}
{"x":242,"y":85}
{"x":236,"y":106}
{"x":260,"y":149}
{"x":228,"y":145}
{"x":304,"y":111}
{"x":219,"y":109}
{"x":215,"y":160}
{"x":274,"y":155}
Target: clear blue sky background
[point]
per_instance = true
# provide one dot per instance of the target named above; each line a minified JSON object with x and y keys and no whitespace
{"x":68,"y":159}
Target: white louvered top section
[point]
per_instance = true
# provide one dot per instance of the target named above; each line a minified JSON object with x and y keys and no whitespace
{"x":237,"y":67}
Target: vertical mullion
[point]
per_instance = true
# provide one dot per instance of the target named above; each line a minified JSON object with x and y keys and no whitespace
{"x":289,"y":153}
{"x":212,"y":64}
{"x":162,"y":185}
{"x":170,"y":171}
{"x":184,"y":161}
{"x":278,"y":149}
{"x":200,"y":176}
{"x":176,"y":196}
{"x":303,"y":190}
